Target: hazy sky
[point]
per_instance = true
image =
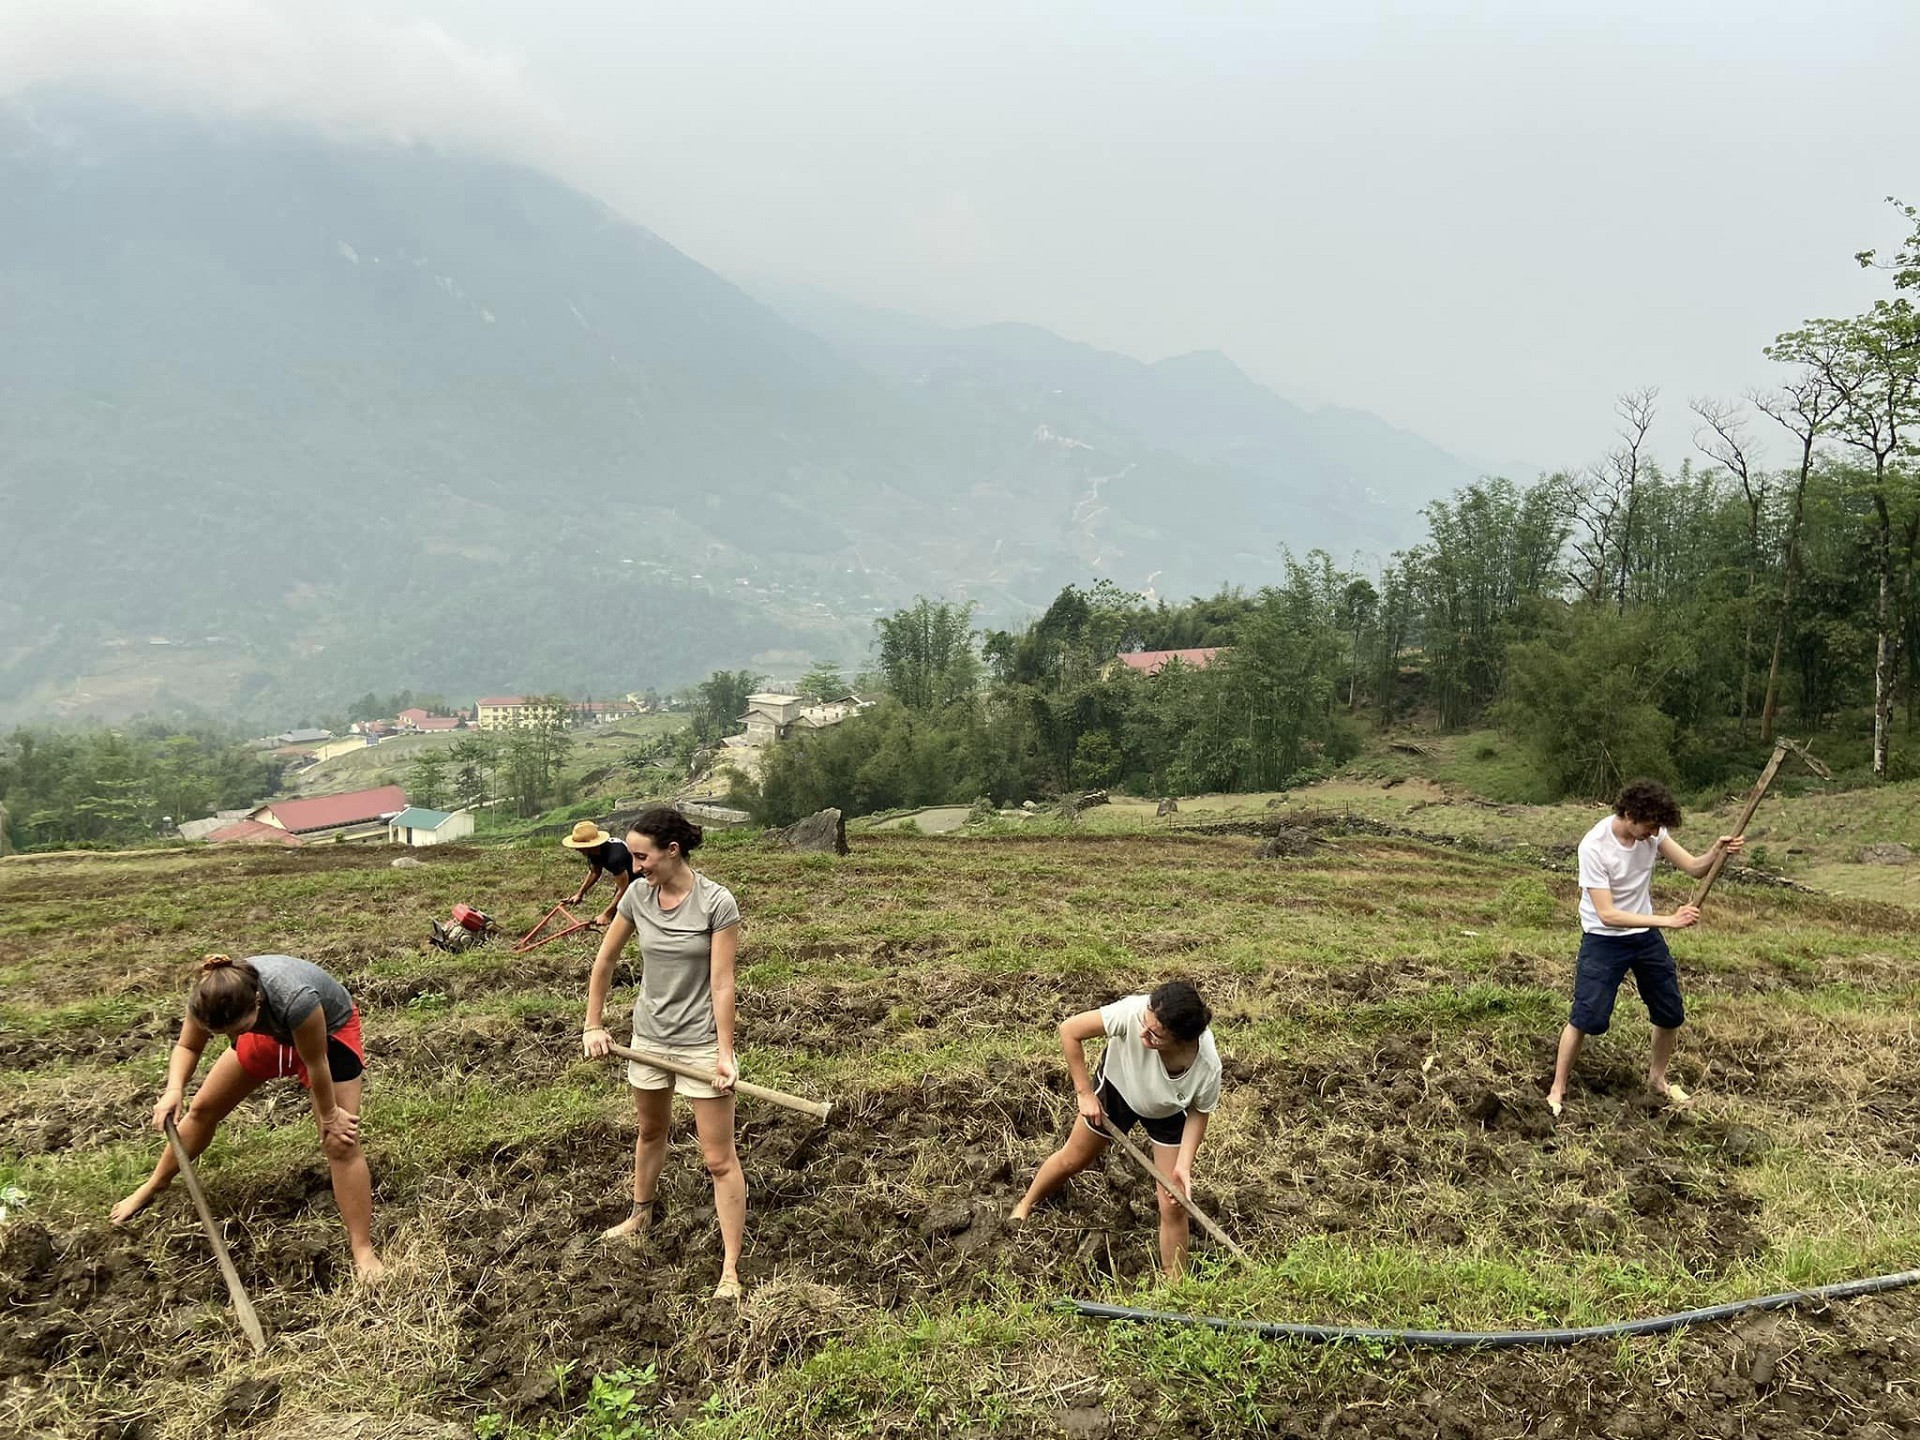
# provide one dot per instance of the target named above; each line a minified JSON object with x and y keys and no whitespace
{"x":1480,"y":221}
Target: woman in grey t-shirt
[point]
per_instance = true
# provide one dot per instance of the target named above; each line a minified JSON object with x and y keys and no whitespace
{"x":689,"y":930}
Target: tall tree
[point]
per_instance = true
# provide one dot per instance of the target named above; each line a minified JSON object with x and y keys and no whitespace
{"x":1803,"y":407}
{"x":1724,"y":440}
{"x":1872,"y":362}
{"x":927,"y":656}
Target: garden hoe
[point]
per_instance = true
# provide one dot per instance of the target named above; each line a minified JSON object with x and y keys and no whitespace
{"x":814,"y":1108}
{"x":1754,"y":796}
{"x":249,"y":1321}
{"x":1139,"y":1157}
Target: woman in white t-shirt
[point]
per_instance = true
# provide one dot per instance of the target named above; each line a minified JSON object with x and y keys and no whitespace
{"x":689,"y":931}
{"x":1160,"y":1070}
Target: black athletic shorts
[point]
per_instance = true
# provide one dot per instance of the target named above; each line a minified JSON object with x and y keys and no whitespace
{"x":1164,"y":1130}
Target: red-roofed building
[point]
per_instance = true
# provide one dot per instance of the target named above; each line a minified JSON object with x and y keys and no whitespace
{"x":410,"y":719}
{"x":1152,"y":662}
{"x":251,"y":832}
{"x":437,"y":722}
{"x":332,"y":812}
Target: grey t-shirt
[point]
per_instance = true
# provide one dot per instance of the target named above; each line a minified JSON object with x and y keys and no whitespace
{"x":292,"y":989}
{"x":675,"y":1004}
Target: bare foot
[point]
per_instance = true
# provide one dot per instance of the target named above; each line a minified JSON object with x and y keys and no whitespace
{"x":728,"y":1288}
{"x":1556,"y":1105}
{"x":1674,"y":1096}
{"x":133,"y":1204}
{"x":369,"y":1269}
{"x":1018,"y":1216}
{"x":636,"y":1224}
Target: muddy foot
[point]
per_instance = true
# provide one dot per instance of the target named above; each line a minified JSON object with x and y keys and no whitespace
{"x":1556,"y":1105}
{"x":634,"y":1226}
{"x":728,"y":1288}
{"x":369,"y":1269}
{"x":132,"y":1205}
{"x":1674,"y":1096}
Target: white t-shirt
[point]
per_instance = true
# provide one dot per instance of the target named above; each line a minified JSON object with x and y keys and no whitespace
{"x":1141,"y":1075}
{"x":1625,"y":870}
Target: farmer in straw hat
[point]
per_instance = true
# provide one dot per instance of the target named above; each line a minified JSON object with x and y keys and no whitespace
{"x":605,"y":855}
{"x":287,"y":1018}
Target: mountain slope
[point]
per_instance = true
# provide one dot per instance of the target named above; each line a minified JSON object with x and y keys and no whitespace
{"x":330,"y":418}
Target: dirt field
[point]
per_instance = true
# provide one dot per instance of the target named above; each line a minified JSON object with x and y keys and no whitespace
{"x":1387,"y":1012}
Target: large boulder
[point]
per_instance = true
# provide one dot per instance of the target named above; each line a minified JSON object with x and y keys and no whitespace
{"x":1885,"y":852}
{"x":824,"y":832}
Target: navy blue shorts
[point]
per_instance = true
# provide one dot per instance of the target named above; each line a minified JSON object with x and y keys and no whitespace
{"x":1163,"y":1130}
{"x":1604,"y":963}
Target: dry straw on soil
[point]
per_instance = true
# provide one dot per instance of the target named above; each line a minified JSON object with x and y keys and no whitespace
{"x":1387,"y":1010}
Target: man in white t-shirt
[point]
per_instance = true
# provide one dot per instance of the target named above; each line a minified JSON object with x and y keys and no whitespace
{"x":1621,"y":932}
{"x":1160,"y":1070}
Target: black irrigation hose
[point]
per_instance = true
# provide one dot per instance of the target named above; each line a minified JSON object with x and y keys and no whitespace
{"x":1491,"y":1339}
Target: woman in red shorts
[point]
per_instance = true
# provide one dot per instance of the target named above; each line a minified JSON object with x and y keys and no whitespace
{"x":286,"y":1018}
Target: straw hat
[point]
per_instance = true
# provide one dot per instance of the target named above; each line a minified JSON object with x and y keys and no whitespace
{"x":585,"y":836}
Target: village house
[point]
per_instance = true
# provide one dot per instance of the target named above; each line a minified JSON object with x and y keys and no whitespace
{"x":345,"y":745}
{"x":329,"y":814}
{"x":415,"y":721}
{"x":772,"y":716}
{"x":1152,"y":662}
{"x":769,"y":717}
{"x":417,"y":826}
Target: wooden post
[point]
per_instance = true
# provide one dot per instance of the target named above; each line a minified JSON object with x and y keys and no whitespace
{"x":815,"y":1108}
{"x":1140,"y":1158}
{"x":249,"y":1321}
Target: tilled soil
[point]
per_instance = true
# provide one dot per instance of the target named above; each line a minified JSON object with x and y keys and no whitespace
{"x":1439,"y":1143}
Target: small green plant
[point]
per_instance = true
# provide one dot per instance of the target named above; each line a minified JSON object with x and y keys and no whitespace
{"x":428,"y":1000}
{"x":615,"y":1402}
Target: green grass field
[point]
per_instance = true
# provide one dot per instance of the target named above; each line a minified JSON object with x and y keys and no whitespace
{"x":1387,"y":1010}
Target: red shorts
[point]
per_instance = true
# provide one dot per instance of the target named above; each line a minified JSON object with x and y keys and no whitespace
{"x":265,"y":1058}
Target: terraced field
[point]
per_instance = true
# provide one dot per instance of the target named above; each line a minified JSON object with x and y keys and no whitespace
{"x":1387,"y":1010}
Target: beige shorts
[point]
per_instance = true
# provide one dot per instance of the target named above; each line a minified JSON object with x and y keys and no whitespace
{"x":649,"y":1077}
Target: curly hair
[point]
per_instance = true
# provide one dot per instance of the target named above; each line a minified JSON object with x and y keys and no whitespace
{"x":1180,"y":1009}
{"x":1650,"y":802}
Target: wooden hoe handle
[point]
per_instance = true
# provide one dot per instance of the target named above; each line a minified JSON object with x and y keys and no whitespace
{"x":249,"y":1321}
{"x":1781,"y":750}
{"x":814,"y":1108}
{"x":1139,"y":1156}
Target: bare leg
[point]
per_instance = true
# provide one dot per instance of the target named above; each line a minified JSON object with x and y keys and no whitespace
{"x":714,"y":1121}
{"x":1663,"y":1046}
{"x":353,"y":1187}
{"x":1175,"y":1237}
{"x":653,"y":1110}
{"x":226,"y":1086}
{"x":1082,"y":1149}
{"x":1570,"y":1043}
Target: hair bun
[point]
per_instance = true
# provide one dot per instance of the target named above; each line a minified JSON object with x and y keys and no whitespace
{"x":215,"y":962}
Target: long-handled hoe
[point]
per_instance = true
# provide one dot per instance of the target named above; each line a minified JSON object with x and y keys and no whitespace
{"x":1139,"y":1157}
{"x":815,"y":1108}
{"x":1780,"y":752}
{"x":243,"y":1307}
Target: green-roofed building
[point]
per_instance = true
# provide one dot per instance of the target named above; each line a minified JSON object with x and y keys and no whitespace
{"x":416,"y":825}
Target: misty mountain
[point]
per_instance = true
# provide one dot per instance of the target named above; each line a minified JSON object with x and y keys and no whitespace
{"x":325,"y":418}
